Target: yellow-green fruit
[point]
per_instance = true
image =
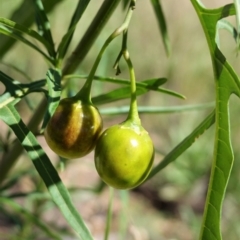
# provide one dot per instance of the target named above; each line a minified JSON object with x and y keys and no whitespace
{"x":73,"y":129}
{"x":124,"y":156}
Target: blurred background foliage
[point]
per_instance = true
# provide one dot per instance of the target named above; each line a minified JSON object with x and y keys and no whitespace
{"x":170,"y":205}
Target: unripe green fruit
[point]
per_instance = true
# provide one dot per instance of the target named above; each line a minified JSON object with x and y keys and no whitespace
{"x":124,"y":156}
{"x":73,"y":129}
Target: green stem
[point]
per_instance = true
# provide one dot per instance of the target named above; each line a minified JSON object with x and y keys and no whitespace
{"x":85,"y":93}
{"x":133,"y":111}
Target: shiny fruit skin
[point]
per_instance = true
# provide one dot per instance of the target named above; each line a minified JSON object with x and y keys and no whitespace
{"x":124,"y":156}
{"x":73,"y":129}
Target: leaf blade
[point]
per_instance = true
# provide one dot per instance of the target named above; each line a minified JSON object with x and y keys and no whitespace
{"x":184,"y":145}
{"x":43,"y":25}
{"x":40,"y":224}
{"x":53,"y":77}
{"x":65,"y":42}
{"x":162,"y":25}
{"x":46,"y":170}
{"x":226,"y":83}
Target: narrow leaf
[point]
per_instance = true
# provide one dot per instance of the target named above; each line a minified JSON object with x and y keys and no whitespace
{"x":158,"y":81}
{"x":16,"y":90}
{"x":125,"y":4}
{"x":97,"y":24}
{"x":43,"y":25}
{"x":223,"y":24}
{"x":109,"y":214}
{"x":148,"y":84}
{"x":155,"y":110}
{"x":122,"y":93}
{"x":8,"y":32}
{"x":15,"y":27}
{"x":54,"y":93}
{"x":237,"y":7}
{"x":40,"y":224}
{"x":65,"y":42}
{"x":25,"y":18}
{"x":115,"y":95}
{"x":46,"y":170}
{"x":184,"y":145}
{"x":162,"y":24}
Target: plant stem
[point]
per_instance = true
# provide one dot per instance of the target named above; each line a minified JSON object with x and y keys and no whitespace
{"x":133,"y":111}
{"x":85,"y":93}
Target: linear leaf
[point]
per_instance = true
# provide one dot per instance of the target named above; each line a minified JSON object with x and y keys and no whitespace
{"x":162,"y":24}
{"x":25,"y":18}
{"x":16,"y":90}
{"x":223,"y":24}
{"x":159,"y":81}
{"x":18,"y":208}
{"x":54,"y":93}
{"x":125,"y":4}
{"x":155,"y":110}
{"x":109,"y":214}
{"x":46,"y":170}
{"x":148,"y":84}
{"x":96,"y":26}
{"x":115,"y":95}
{"x":65,"y":42}
{"x":8,"y":32}
{"x":13,"y":26}
{"x":43,"y":25}
{"x":122,"y":93}
{"x":226,"y":83}
{"x":184,"y":145}
{"x":237,"y":7}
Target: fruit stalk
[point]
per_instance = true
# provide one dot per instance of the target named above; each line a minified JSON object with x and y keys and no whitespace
{"x":133,"y":111}
{"x":85,"y":93}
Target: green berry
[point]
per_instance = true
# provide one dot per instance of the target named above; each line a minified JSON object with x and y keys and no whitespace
{"x":74,"y":128}
{"x":124,"y":156}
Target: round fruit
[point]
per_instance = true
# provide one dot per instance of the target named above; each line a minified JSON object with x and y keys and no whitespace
{"x":73,"y":129}
{"x":124,"y":156}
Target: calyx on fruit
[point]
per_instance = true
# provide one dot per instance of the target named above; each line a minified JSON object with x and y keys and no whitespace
{"x":74,"y":128}
{"x":124,"y":155}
